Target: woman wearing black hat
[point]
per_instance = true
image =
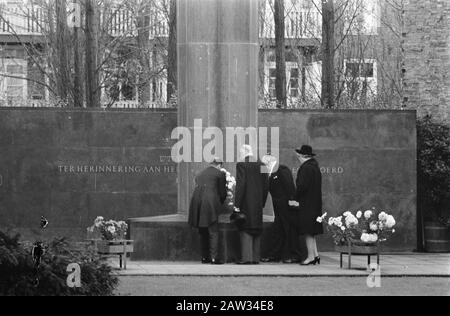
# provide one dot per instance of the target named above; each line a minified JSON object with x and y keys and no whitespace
{"x":309,"y":198}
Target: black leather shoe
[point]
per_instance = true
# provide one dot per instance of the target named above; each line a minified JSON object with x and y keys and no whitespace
{"x":206,"y":260}
{"x":243,"y":262}
{"x":255,"y":262}
{"x":291,"y":261}
{"x":311,"y":263}
{"x":267,"y":260}
{"x":215,"y":261}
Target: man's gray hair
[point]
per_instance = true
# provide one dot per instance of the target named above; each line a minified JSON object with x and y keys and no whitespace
{"x":247,"y":150}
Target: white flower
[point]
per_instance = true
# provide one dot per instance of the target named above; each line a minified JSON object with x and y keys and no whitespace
{"x":393,"y":231}
{"x":365,"y":238}
{"x":351,"y":220}
{"x":382,"y":216}
{"x":337,"y":222}
{"x":359,"y":215}
{"x":330,"y":221}
{"x":112,"y":229}
{"x":322,"y":218}
{"x":373,"y":226}
{"x":98,"y":221}
{"x":374,"y":238}
{"x":368,"y":214}
{"x":346,"y":214}
{"x":369,"y":238}
{"x":343,"y":228}
{"x":123,"y":225}
{"x":390,"y":222}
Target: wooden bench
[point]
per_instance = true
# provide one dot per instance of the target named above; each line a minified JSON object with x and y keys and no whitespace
{"x":358,"y":250}
{"x":119,"y":248}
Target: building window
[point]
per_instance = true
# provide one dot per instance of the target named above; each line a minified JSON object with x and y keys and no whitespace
{"x":361,"y":77}
{"x":294,"y":83}
{"x":293,"y":78}
{"x":272,"y":80}
{"x":359,"y":70}
{"x":12,"y":87}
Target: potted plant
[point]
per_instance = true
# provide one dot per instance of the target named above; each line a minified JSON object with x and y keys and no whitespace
{"x":434,"y":184}
{"x":360,"y":233}
{"x":113,"y":238}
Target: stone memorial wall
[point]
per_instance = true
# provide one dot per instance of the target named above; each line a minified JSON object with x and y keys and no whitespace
{"x":75,"y":165}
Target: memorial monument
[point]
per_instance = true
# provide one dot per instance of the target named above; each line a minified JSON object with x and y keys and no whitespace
{"x":73,"y":165}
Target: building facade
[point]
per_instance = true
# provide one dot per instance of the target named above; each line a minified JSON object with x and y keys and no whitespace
{"x":133,"y":59}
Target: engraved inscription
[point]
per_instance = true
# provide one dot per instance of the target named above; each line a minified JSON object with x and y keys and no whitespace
{"x":117,"y":169}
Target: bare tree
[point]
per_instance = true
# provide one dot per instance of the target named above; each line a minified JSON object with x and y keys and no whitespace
{"x":280,"y":53}
{"x":328,"y":54}
{"x":91,"y":31}
{"x":115,"y":39}
{"x":172,"y":51}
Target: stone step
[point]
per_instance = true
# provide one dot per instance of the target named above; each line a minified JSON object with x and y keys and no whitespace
{"x":170,"y":238}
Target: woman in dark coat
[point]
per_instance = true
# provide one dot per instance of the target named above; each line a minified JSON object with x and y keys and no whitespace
{"x":284,"y":241}
{"x":309,"y":198}
{"x":206,"y":205}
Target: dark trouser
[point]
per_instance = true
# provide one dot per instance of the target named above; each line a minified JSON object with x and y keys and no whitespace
{"x":250,"y":247}
{"x":209,"y":238}
{"x":285,"y":242}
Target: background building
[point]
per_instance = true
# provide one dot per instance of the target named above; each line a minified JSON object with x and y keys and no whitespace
{"x":124,"y":53}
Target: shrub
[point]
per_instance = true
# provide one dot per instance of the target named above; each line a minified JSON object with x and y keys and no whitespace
{"x":18,"y":273}
{"x":434,"y":169}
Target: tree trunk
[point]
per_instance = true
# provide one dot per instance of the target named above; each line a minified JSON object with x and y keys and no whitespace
{"x":61,"y":46}
{"x":328,"y":45}
{"x":92,"y":81}
{"x":172,"y":52}
{"x":144,"y":55}
{"x":78,"y":81}
{"x":280,"y":52}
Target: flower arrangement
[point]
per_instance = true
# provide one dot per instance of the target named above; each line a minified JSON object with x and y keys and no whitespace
{"x":367,"y":227}
{"x":109,"y":230}
{"x":231,"y":185}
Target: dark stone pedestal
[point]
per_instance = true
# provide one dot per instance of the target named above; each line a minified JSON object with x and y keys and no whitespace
{"x":170,"y":238}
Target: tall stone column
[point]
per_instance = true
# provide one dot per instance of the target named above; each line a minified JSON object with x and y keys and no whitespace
{"x":217,"y":72}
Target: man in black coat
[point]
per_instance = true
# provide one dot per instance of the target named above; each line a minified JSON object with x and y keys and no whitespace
{"x":309,"y":198}
{"x":206,"y":205}
{"x":252,"y":188}
{"x":285,"y":242}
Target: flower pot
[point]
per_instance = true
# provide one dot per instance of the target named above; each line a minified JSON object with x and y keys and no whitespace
{"x":115,"y":247}
{"x":437,"y":237}
{"x":358,"y":249}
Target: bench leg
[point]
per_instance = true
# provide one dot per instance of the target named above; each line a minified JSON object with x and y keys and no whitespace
{"x":342,"y":263}
{"x":350,"y":261}
{"x":368,"y":260}
{"x":120,"y":261}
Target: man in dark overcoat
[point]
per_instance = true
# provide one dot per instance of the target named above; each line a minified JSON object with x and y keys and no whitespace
{"x":284,"y":242}
{"x":206,"y":204}
{"x":309,"y":198}
{"x":252,"y":189}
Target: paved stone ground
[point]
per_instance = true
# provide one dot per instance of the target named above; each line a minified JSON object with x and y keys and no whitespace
{"x":208,"y":286}
{"x":392,"y":265}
